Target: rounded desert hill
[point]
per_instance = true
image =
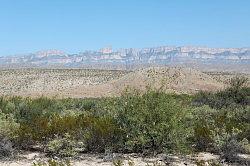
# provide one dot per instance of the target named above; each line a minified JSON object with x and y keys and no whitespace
{"x":169,"y":79}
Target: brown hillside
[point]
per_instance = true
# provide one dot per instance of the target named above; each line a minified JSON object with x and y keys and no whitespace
{"x":170,"y":79}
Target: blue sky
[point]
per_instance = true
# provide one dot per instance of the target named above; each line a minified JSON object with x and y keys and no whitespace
{"x":76,"y":25}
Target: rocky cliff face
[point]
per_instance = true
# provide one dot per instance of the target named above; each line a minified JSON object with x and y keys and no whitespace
{"x":156,"y":55}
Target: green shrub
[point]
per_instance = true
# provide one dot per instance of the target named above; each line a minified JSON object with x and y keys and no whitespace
{"x":64,"y":147}
{"x":8,"y":126}
{"x":52,"y":162}
{"x":203,"y":125}
{"x":43,"y":129}
{"x":208,"y":163}
{"x":153,"y":121}
{"x":118,"y":162}
{"x":221,"y":131}
{"x":245,"y":146}
{"x":228,"y":145}
{"x":103,"y":134}
{"x":237,"y":94}
{"x":214,"y":130}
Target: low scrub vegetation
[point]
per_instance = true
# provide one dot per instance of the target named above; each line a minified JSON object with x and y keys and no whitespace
{"x":152,"y":122}
{"x":52,"y":162}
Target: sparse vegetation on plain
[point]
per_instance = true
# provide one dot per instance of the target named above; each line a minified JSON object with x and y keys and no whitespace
{"x":90,"y":83}
{"x":50,"y":82}
{"x":149,"y":123}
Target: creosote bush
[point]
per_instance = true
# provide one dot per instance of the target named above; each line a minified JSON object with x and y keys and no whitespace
{"x":7,"y":128}
{"x":152,"y":122}
{"x":234,"y":96}
{"x":222,"y":120}
{"x":64,"y":147}
{"x":52,"y":162}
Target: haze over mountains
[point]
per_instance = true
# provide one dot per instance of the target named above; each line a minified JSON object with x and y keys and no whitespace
{"x":131,"y":57}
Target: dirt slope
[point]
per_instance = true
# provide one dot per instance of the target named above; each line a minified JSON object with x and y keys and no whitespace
{"x":170,"y":79}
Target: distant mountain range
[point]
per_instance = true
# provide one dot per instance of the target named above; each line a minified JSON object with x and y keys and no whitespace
{"x":125,"y":58}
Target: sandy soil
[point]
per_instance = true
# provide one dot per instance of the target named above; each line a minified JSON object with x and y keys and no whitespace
{"x":28,"y":158}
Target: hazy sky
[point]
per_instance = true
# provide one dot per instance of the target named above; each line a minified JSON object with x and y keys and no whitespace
{"x":77,"y":25}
